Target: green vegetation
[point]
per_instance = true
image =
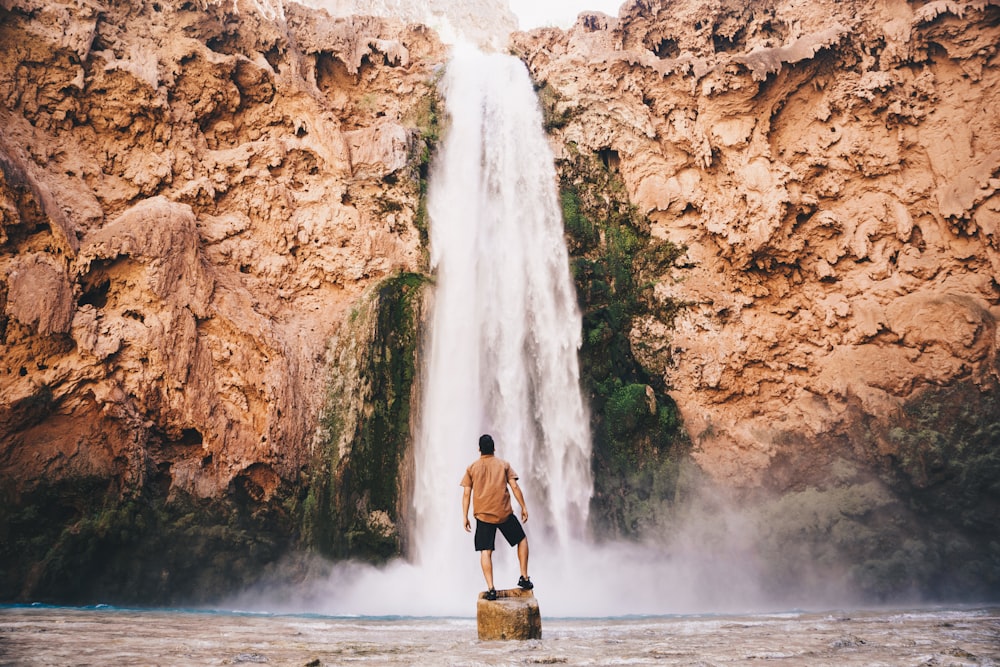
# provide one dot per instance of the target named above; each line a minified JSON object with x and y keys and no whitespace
{"x":927,"y":521}
{"x":556,"y":114}
{"x":426,"y":117}
{"x":947,"y":447}
{"x":353,"y":503}
{"x":79,"y":542}
{"x":947,"y":467}
{"x":639,"y":441}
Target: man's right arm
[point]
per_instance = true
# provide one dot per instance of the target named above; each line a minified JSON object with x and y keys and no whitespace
{"x":466,"y":498}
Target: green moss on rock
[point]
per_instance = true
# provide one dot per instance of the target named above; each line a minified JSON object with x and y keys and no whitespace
{"x":427,"y":119}
{"x":78,"y":541}
{"x":353,"y":507}
{"x":639,"y":440}
{"x":946,"y":467}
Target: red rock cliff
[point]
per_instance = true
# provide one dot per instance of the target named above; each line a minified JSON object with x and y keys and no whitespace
{"x":193,"y":196}
{"x":833,"y":171}
{"x":197,"y":200}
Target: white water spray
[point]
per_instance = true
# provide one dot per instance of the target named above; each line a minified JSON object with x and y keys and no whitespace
{"x":502,"y":353}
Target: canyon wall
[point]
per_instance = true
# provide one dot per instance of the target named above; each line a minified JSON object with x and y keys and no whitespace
{"x":194,"y":198}
{"x":783,"y":227}
{"x":825,"y":183}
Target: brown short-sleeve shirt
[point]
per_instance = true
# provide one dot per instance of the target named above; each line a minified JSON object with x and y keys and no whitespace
{"x":488,"y":477}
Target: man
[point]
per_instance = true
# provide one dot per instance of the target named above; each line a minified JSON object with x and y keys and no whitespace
{"x":485,"y":483}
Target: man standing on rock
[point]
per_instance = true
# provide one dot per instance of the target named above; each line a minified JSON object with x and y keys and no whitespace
{"x":485,"y":483}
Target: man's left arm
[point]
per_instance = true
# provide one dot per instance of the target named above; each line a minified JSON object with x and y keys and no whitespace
{"x":520,"y":498}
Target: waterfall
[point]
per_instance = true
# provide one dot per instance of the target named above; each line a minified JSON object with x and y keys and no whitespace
{"x":501,"y":358}
{"x":501,"y":354}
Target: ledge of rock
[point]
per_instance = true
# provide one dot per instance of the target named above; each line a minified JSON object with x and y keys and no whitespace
{"x":513,"y":615}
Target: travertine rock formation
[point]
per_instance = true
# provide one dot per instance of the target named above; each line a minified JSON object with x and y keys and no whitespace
{"x":192,"y":198}
{"x":833,"y":171}
{"x":211,"y":237}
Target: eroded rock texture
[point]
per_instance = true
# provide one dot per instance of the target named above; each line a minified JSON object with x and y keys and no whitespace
{"x":832,"y":172}
{"x":833,"y":175}
{"x":784,"y":216}
{"x":192,"y":197}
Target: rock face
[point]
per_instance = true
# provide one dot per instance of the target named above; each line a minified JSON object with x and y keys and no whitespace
{"x":513,"y":615}
{"x":192,"y":200}
{"x":831,"y":172}
{"x":784,"y":225}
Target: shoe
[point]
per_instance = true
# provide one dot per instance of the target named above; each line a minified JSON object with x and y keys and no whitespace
{"x":491,"y":594}
{"x":525,"y":583}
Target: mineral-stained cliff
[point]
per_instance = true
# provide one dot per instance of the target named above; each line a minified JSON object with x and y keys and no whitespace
{"x":831,"y":172}
{"x":783,"y":220}
{"x":193,"y":198}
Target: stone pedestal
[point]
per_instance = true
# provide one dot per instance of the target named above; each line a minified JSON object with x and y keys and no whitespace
{"x":513,"y":615}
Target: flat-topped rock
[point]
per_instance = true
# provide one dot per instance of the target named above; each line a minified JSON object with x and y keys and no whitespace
{"x":513,"y":615}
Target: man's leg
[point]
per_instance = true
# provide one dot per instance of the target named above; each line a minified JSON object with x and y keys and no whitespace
{"x":522,"y":556}
{"x":486,"y":560}
{"x":512,"y":530}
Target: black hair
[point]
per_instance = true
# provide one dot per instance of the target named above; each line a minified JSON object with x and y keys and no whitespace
{"x":486,"y":444}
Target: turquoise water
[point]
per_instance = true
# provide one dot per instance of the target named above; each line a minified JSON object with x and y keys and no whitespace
{"x":102,"y":635}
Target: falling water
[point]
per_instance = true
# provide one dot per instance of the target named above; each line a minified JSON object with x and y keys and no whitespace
{"x":503,"y":341}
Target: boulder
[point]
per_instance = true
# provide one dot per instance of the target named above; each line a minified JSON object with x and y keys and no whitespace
{"x":513,"y":615}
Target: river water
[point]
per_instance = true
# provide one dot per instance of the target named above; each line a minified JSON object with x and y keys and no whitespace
{"x":106,"y":636}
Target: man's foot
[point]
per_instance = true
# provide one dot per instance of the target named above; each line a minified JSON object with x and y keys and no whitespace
{"x":525,"y":583}
{"x":491,"y":594}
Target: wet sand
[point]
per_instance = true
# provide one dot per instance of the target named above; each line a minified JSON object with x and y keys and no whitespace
{"x":106,"y":636}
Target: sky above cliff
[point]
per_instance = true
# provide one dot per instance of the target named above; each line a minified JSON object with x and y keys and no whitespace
{"x":562,"y":13}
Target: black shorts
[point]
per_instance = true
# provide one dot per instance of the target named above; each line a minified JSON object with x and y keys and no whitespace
{"x":486,"y":533}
